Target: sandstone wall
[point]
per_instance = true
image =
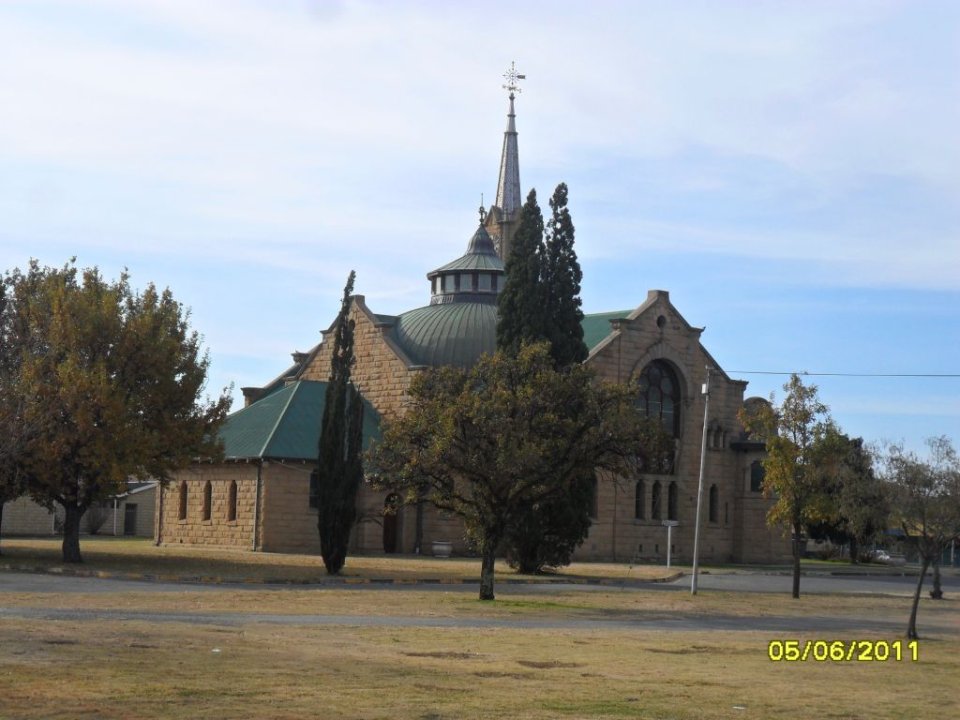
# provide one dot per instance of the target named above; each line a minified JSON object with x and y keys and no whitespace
{"x":381,"y":373}
{"x":657,"y":332}
{"x":218,"y":531}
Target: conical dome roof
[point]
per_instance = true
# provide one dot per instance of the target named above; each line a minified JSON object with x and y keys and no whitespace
{"x":481,"y":255}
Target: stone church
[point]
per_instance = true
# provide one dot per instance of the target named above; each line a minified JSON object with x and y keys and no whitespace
{"x":263,"y":495}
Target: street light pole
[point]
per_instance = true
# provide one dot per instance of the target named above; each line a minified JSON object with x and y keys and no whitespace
{"x":703,"y":461}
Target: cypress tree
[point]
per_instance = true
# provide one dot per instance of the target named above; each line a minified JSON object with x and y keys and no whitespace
{"x":561,"y":286}
{"x":521,"y":309}
{"x":340,"y":467}
{"x":541,"y":301}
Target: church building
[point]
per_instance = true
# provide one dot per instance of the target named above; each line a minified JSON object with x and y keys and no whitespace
{"x":263,"y":495}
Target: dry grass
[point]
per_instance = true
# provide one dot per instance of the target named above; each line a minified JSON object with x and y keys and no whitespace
{"x":111,"y":669}
{"x":142,"y":557}
{"x":108,"y":670}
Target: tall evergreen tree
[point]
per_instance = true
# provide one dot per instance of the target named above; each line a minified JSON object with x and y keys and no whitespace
{"x":522,"y":313}
{"x":340,"y":466}
{"x":541,"y":301}
{"x":561,"y":277}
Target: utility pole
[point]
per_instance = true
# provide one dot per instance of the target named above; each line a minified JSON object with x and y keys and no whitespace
{"x":703,"y":461}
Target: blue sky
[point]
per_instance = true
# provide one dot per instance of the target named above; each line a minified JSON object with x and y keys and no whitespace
{"x":787,"y":170}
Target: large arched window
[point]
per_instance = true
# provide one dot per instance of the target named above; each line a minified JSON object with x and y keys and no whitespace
{"x":182,"y":509}
{"x":672,"y":502}
{"x":640,"y":500}
{"x":659,"y":396}
{"x":656,"y":504}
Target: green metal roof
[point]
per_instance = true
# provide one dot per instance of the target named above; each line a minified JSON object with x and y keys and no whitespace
{"x":481,"y":255}
{"x":597,"y":326}
{"x":471,"y":262}
{"x":448,"y":334}
{"x":286,"y":424}
{"x":458,"y":333}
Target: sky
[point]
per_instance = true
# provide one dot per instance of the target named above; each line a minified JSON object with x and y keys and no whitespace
{"x":789,"y":171}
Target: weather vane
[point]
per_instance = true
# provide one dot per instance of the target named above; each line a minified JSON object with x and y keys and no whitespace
{"x":512,"y":77}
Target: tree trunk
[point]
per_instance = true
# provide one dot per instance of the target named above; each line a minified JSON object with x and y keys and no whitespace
{"x":796,"y":560}
{"x":854,"y":551}
{"x":912,"y":628}
{"x":937,"y":592}
{"x":1,"y":521}
{"x":488,"y":558}
{"x":71,"y":533}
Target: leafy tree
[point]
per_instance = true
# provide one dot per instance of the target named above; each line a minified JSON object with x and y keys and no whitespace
{"x":340,"y":462}
{"x":803,"y":450}
{"x":860,"y":500}
{"x":491,"y":442}
{"x":12,"y":430}
{"x":522,"y":315}
{"x":108,"y":383}
{"x":928,"y":503}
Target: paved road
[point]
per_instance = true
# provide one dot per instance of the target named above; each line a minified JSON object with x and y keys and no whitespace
{"x":844,"y":584}
{"x":606,"y":620}
{"x":735,"y":582}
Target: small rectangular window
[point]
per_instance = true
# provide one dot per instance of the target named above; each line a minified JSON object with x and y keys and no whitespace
{"x":484,"y":285}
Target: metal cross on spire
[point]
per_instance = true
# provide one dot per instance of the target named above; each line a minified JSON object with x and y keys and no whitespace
{"x":513,"y":77}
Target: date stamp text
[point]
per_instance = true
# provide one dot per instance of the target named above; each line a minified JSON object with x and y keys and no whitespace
{"x":843,"y":650}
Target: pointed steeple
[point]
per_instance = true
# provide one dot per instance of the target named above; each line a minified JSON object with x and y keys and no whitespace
{"x":505,"y":213}
{"x":508,"y":185}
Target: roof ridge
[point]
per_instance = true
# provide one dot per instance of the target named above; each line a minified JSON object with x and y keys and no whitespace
{"x":276,"y":425}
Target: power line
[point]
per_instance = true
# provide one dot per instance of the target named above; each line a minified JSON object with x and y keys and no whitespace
{"x":841,"y":374}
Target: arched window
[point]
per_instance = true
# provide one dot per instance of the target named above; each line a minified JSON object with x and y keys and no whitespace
{"x":182,"y":510}
{"x":660,"y":396}
{"x":756,"y":476}
{"x":207,"y":499}
{"x":640,"y":500}
{"x":714,"y":504}
{"x":232,"y":502}
{"x":672,"y":501}
{"x":314,"y":498}
{"x":656,"y":503}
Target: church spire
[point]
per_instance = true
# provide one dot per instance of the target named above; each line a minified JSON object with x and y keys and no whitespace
{"x":508,"y":200}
